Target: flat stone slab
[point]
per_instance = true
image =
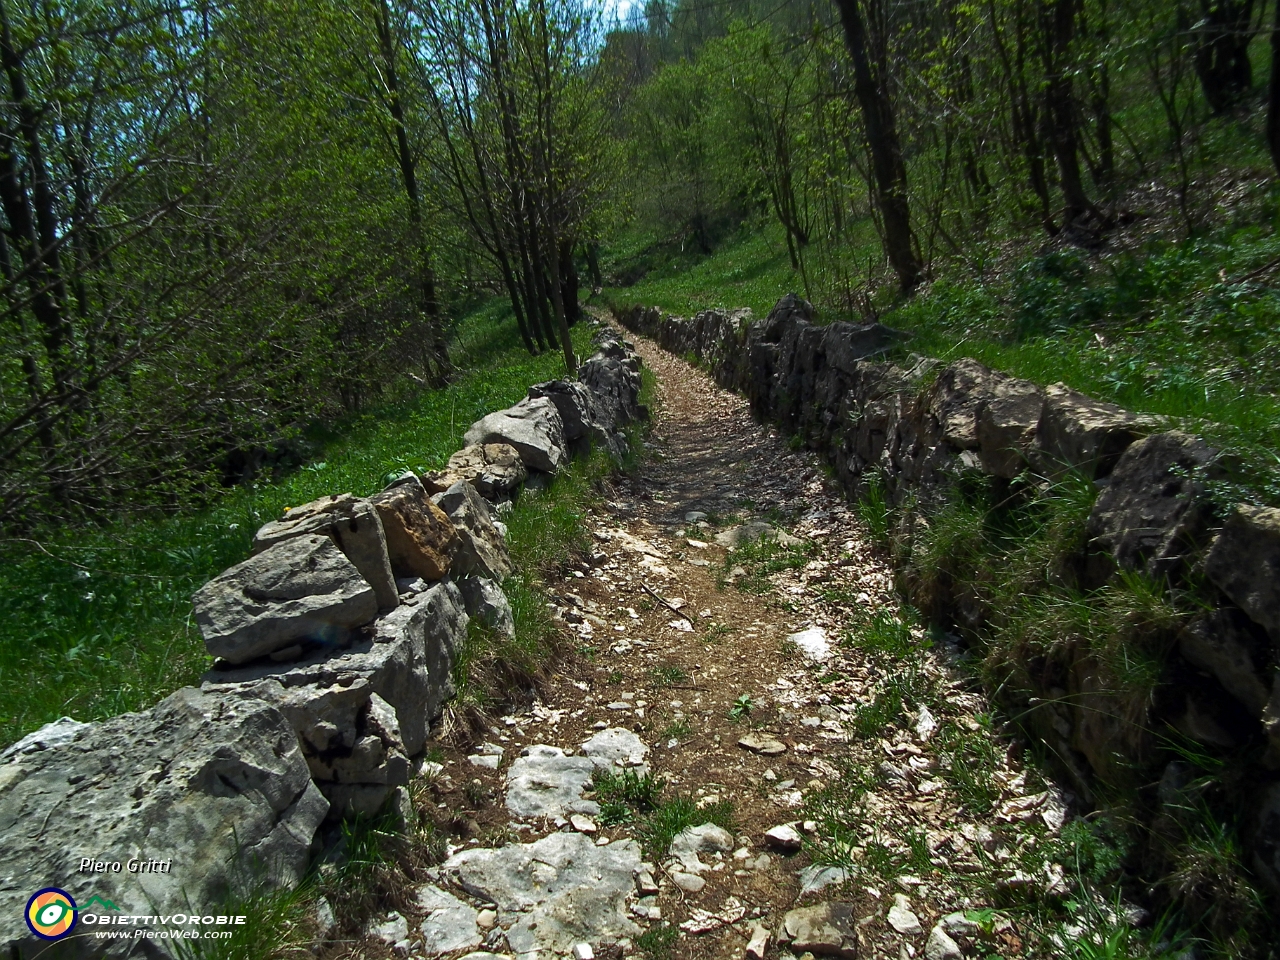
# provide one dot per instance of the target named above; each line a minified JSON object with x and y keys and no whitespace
{"x":547,"y":783}
{"x":450,"y":924}
{"x":824,"y":929}
{"x":746,"y":533}
{"x":554,"y":893}
{"x":691,"y":841}
{"x":616,"y":746}
{"x":766,"y":746}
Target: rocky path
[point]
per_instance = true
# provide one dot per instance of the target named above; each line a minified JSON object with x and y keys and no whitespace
{"x":871,"y":810}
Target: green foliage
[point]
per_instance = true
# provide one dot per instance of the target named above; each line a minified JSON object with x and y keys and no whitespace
{"x":658,"y":942}
{"x":659,"y":828}
{"x":95,"y":621}
{"x":763,"y":557}
{"x":624,"y":796}
{"x":741,"y":708}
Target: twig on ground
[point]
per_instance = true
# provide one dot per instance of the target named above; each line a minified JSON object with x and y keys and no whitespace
{"x":676,"y":610}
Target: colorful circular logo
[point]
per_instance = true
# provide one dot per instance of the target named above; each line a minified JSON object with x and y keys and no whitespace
{"x":51,"y":913}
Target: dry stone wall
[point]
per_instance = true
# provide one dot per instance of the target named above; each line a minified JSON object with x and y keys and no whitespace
{"x":334,"y":643}
{"x":920,"y":428}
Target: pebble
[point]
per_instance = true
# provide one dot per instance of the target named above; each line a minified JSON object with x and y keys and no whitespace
{"x":765,"y":746}
{"x":941,"y":947}
{"x":583,"y":824}
{"x":688,"y":882}
{"x":902,"y":919}
{"x":783,"y":838}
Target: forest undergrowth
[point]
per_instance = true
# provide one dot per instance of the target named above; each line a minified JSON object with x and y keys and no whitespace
{"x":96,"y":620}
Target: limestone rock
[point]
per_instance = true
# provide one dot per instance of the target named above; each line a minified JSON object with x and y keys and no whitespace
{"x":486,"y":602}
{"x":940,"y":946}
{"x":54,"y":734}
{"x":547,"y":783}
{"x":494,"y":469}
{"x":1245,"y":563}
{"x":813,"y":643}
{"x":353,"y":525}
{"x":751,"y":532}
{"x":393,"y":931}
{"x":1007,"y":422}
{"x":613,"y":377}
{"x":902,"y":918}
{"x":691,"y":841}
{"x":554,"y":893}
{"x":481,"y":550}
{"x":1085,"y":434}
{"x":615,"y":746}
{"x":766,"y":746}
{"x":301,"y":589}
{"x":408,"y":662}
{"x":1219,"y":643}
{"x":533,"y":427}
{"x":783,"y":838}
{"x":585,"y":421}
{"x":758,"y":943}
{"x":1152,"y":515}
{"x":420,"y":538}
{"x":824,"y":929}
{"x":956,"y":398}
{"x":213,"y":784}
{"x":449,"y":924}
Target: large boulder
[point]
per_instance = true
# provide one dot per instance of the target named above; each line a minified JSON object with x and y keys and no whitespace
{"x":1245,"y":564}
{"x":1080,"y":433}
{"x":352,"y":524}
{"x":615,"y":385}
{"x":420,"y":538}
{"x":1221,"y":644}
{"x":408,"y":662}
{"x":1153,"y":515}
{"x":481,"y":549}
{"x":494,"y":469}
{"x":202,"y":799}
{"x":533,"y":427}
{"x":299,"y":590}
{"x":957,"y":397}
{"x":1007,"y":422}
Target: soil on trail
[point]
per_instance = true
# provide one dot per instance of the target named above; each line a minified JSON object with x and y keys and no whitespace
{"x":694,"y":657}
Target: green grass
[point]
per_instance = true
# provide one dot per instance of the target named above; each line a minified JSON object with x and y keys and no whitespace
{"x":750,"y":270}
{"x":96,"y":621}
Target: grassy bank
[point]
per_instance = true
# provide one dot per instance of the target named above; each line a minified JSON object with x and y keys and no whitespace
{"x":1180,"y":328}
{"x":96,"y":621}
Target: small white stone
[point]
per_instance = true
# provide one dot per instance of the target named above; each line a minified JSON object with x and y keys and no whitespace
{"x":902,"y":919}
{"x":583,"y":951}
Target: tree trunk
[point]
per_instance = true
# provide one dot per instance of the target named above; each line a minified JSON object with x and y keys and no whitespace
{"x":1273,"y":92}
{"x":888,"y":167}
{"x":428,"y":301}
{"x":1222,"y":52}
{"x":1059,"y":26}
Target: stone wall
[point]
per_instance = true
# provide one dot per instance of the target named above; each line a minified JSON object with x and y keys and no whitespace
{"x":921,"y":428}
{"x":334,"y":645}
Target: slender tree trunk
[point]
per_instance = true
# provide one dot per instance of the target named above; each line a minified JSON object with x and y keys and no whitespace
{"x":888,"y":167}
{"x":1273,"y":91}
{"x":1222,"y":52}
{"x":428,"y":301}
{"x":1058,"y":23}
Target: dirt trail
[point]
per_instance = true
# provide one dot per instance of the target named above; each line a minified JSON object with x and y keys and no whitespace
{"x":693,"y":684}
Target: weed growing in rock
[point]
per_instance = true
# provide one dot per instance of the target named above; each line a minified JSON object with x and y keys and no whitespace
{"x":660,"y":827}
{"x":624,"y":796}
{"x":741,"y":708}
{"x":658,"y":943}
